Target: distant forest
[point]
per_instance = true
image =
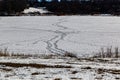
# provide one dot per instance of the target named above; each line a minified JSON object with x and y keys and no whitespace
{"x":82,"y":6}
{"x":12,"y":7}
{"x":63,"y":7}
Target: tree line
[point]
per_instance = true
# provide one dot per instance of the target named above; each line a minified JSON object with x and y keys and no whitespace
{"x":85,"y":7}
{"x":60,"y":7}
{"x":9,"y":7}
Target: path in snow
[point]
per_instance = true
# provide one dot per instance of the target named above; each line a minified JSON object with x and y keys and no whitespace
{"x":52,"y":43}
{"x":60,"y":33}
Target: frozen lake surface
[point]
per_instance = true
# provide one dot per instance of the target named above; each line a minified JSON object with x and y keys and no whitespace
{"x":81,"y":35}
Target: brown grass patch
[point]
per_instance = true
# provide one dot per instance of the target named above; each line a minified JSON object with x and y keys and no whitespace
{"x":36,"y":73}
{"x":98,"y":78}
{"x":57,"y":79}
{"x":5,"y":69}
{"x":86,"y":67}
{"x":76,"y":78}
{"x":117,"y":78}
{"x":74,"y":72}
{"x":6,"y":53}
{"x":68,"y":54}
{"x":33,"y":65}
{"x":112,"y":71}
{"x":100,"y":71}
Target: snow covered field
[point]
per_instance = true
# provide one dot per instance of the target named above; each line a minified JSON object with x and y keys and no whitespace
{"x":81,"y":35}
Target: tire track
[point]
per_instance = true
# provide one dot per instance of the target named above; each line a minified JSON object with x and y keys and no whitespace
{"x":52,"y":44}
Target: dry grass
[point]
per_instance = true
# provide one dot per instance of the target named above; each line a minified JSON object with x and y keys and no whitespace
{"x":74,"y":78}
{"x":100,"y":71}
{"x":36,"y":73}
{"x":57,"y":79}
{"x":68,"y":54}
{"x":117,"y":78}
{"x":112,"y":71}
{"x":6,"y":53}
{"x":86,"y":67}
{"x":5,"y":69}
{"x":74,"y":72}
{"x":109,"y":52}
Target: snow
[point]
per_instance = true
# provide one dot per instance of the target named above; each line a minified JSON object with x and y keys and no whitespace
{"x":80,"y":35}
{"x":32,"y":10}
{"x":77,"y":72}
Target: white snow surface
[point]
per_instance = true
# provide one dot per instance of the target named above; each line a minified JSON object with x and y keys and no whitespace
{"x":81,"y":35}
{"x":80,"y":70}
{"x":31,"y":9}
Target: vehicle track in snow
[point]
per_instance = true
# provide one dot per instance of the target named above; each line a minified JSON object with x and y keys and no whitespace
{"x":34,"y":32}
{"x":52,"y":44}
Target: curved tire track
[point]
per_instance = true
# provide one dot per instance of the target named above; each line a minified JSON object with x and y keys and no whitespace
{"x":52,"y":44}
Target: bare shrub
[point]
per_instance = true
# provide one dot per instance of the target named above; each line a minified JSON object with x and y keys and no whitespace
{"x":4,"y":52}
{"x":68,"y":54}
{"x":116,"y":52}
{"x":100,"y":71}
{"x":108,"y":52}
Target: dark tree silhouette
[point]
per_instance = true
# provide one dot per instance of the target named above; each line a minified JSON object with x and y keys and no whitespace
{"x":85,"y":7}
{"x":12,"y":6}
